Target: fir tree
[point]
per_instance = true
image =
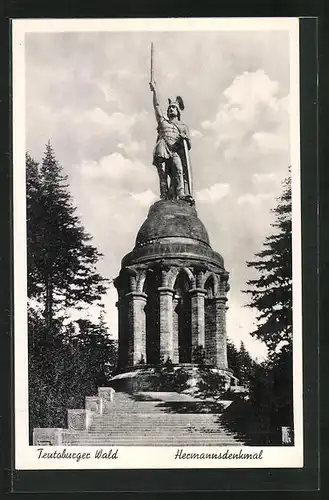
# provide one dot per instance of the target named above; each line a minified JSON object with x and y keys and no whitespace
{"x":61,"y":261}
{"x":232,"y":354}
{"x":271,"y":294}
{"x":241,"y":363}
{"x":246,"y":366}
{"x":67,"y":360}
{"x":271,"y":291}
{"x":34,"y":226}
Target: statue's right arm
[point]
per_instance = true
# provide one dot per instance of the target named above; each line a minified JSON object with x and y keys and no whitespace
{"x":156,"y":104}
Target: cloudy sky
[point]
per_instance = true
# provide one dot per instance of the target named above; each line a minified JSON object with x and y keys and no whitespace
{"x":88,"y":93}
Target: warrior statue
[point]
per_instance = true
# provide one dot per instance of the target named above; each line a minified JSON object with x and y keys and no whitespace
{"x":170,"y":154}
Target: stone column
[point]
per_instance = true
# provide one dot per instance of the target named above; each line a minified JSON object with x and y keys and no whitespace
{"x":221,"y":338}
{"x":175,"y":302}
{"x":123,"y":332}
{"x":166,"y":323}
{"x":197,"y":318}
{"x":136,"y":326}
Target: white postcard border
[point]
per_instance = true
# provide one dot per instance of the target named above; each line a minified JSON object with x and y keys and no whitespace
{"x":27,"y":457}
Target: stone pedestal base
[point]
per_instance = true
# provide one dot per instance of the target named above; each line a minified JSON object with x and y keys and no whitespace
{"x":178,"y":378}
{"x":94,"y":404}
{"x":47,"y":436}
{"x":79,"y":420}
{"x":106,"y":394}
{"x":172,"y":292}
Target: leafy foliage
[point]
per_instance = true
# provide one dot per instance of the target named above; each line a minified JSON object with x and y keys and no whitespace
{"x":78,"y":358}
{"x":210,"y":384}
{"x":199,"y":355}
{"x":168,"y":378}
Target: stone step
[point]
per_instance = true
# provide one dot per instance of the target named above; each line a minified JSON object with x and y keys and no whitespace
{"x":211,"y":435}
{"x":155,"y":414}
{"x":157,"y":439}
{"x":144,"y":441}
{"x":154,"y":444}
{"x":170,"y":426}
{"x":157,"y":436}
{"x":159,"y":428}
{"x":130,"y":422}
{"x":167,"y":432}
{"x":155,"y":422}
{"x":145,"y":425}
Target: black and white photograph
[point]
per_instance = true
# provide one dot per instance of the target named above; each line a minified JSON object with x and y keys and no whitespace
{"x":157,"y":259}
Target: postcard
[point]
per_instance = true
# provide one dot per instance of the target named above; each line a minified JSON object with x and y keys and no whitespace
{"x":157,"y":243}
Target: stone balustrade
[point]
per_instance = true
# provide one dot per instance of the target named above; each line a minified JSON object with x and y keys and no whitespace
{"x":78,"y":420}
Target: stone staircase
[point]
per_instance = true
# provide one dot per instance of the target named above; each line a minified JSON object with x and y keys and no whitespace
{"x":126,"y":420}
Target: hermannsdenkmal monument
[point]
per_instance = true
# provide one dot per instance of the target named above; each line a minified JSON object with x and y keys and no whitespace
{"x":172,"y":300}
{"x":172,"y":286}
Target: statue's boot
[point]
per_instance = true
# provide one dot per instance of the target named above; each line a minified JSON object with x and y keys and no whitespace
{"x":181,"y":193}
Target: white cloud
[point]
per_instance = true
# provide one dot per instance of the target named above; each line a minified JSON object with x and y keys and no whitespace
{"x":114,"y":166}
{"x":254,"y":199}
{"x":196,"y":133}
{"x":264,"y":178}
{"x":207,"y":125}
{"x":240,"y":323}
{"x":108,"y":91}
{"x":114,"y":121}
{"x":268,"y":142}
{"x":132,"y":148}
{"x":119,"y":74}
{"x":145,"y":198}
{"x":248,"y":89}
{"x":252,"y":107}
{"x":171,"y":76}
{"x":214,"y":193}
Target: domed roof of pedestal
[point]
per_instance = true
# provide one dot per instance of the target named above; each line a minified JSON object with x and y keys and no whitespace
{"x":172,"y":219}
{"x":172,"y":230}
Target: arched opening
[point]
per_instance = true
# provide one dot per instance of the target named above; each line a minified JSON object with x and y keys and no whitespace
{"x":152,"y":318}
{"x":182,"y":318}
